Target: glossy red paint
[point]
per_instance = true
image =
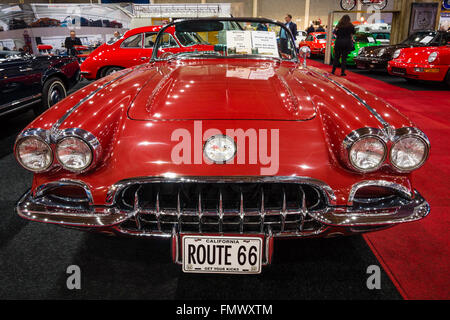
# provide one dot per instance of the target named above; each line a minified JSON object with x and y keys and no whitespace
{"x":117,"y":56}
{"x":134,"y":127}
{"x":316,"y":45}
{"x":413,"y":63}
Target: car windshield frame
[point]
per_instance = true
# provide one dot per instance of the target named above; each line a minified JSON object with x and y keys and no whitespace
{"x":196,"y":55}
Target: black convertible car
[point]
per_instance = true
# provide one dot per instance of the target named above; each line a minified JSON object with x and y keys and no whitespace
{"x":377,"y":57}
{"x":34,"y":81}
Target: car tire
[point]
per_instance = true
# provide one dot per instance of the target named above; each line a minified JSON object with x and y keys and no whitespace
{"x":53,"y":91}
{"x":109,"y":70}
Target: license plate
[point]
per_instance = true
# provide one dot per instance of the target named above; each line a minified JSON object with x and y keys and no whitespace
{"x":216,"y":254}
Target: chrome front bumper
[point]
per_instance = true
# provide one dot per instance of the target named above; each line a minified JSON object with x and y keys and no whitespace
{"x":331,"y":220}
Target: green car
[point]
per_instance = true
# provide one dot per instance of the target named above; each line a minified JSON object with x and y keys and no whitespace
{"x":361,"y":39}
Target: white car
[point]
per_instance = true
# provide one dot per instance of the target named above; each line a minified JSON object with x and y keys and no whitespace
{"x":301,"y":35}
{"x":373,"y":26}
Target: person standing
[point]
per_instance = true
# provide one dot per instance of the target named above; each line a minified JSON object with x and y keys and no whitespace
{"x":71,"y":42}
{"x":284,"y":36}
{"x":320,"y":29}
{"x":343,"y":45}
{"x":310,"y":29}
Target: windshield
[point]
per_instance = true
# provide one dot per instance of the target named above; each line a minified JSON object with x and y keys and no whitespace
{"x":228,"y":38}
{"x":421,"y":38}
{"x":321,"y":36}
{"x":190,"y":38}
{"x":10,"y":55}
{"x":364,"y":37}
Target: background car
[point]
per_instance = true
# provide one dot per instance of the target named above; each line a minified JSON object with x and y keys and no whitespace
{"x":136,"y":47}
{"x":45,"y":22}
{"x":34,"y":81}
{"x":301,"y":35}
{"x":382,"y":36}
{"x":428,"y":64}
{"x":376,"y":58}
{"x":361,"y":40}
{"x":316,"y":41}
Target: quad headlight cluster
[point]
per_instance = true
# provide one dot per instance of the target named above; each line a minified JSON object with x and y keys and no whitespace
{"x":75,"y":150}
{"x":367,"y":149}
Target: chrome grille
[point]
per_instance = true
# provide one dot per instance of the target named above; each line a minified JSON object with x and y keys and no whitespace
{"x":221,"y":207}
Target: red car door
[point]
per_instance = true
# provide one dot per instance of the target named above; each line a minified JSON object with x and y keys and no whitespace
{"x":130,"y":52}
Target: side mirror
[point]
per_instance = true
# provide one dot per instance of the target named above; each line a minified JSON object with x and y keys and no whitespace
{"x":305,"y":52}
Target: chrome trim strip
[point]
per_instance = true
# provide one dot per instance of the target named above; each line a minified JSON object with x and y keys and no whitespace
{"x":354,"y":95}
{"x":55,"y":128}
{"x":15,"y":102}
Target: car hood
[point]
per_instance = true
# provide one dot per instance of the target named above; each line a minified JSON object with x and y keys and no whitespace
{"x":224,"y":89}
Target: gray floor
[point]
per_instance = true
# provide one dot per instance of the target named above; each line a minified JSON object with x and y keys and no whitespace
{"x":34,"y":258}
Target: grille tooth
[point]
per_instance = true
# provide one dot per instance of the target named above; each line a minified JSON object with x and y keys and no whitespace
{"x":222,"y":207}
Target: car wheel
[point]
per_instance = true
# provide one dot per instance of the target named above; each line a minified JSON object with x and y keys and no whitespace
{"x":110,"y":70}
{"x":447,"y":78}
{"x":54,"y":90}
{"x":348,"y":4}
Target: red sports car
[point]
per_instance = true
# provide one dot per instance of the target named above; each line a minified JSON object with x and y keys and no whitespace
{"x":316,"y":41}
{"x":134,"y":48}
{"x":422,"y":63}
{"x":222,"y":151}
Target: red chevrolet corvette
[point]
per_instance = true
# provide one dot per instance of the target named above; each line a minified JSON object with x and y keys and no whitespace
{"x":222,"y":151}
{"x":134,"y":48}
{"x":422,"y":63}
{"x":316,"y":41}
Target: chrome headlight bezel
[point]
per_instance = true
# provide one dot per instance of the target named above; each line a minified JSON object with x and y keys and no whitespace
{"x":28,"y":135}
{"x":404,"y":133}
{"x":357,"y":136}
{"x":86,"y":137}
{"x":360,"y":51}
{"x":433,"y":56}
{"x":64,"y":164}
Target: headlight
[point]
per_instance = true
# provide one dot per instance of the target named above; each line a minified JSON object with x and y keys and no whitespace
{"x":367,"y":154}
{"x":409,"y":153}
{"x":432,"y":57}
{"x":396,"y":54}
{"x":74,"y":154}
{"x":220,"y":149}
{"x":381,"y":52}
{"x":34,"y":154}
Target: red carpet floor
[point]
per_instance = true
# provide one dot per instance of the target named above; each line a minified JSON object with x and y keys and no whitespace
{"x":416,"y":255}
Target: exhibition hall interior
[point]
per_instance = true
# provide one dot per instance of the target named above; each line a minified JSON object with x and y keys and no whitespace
{"x":222,"y":150}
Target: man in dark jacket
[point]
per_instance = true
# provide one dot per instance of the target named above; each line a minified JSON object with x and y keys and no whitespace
{"x":320,"y":29}
{"x":71,"y":42}
{"x":284,"y":36}
{"x":311,"y":29}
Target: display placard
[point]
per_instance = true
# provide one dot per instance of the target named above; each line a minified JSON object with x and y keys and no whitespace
{"x":265,"y":43}
{"x":239,"y":42}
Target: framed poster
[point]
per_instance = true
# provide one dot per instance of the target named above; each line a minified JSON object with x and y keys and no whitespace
{"x":423,"y":16}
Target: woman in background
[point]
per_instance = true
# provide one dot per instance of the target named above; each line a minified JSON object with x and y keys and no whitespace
{"x":343,"y":45}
